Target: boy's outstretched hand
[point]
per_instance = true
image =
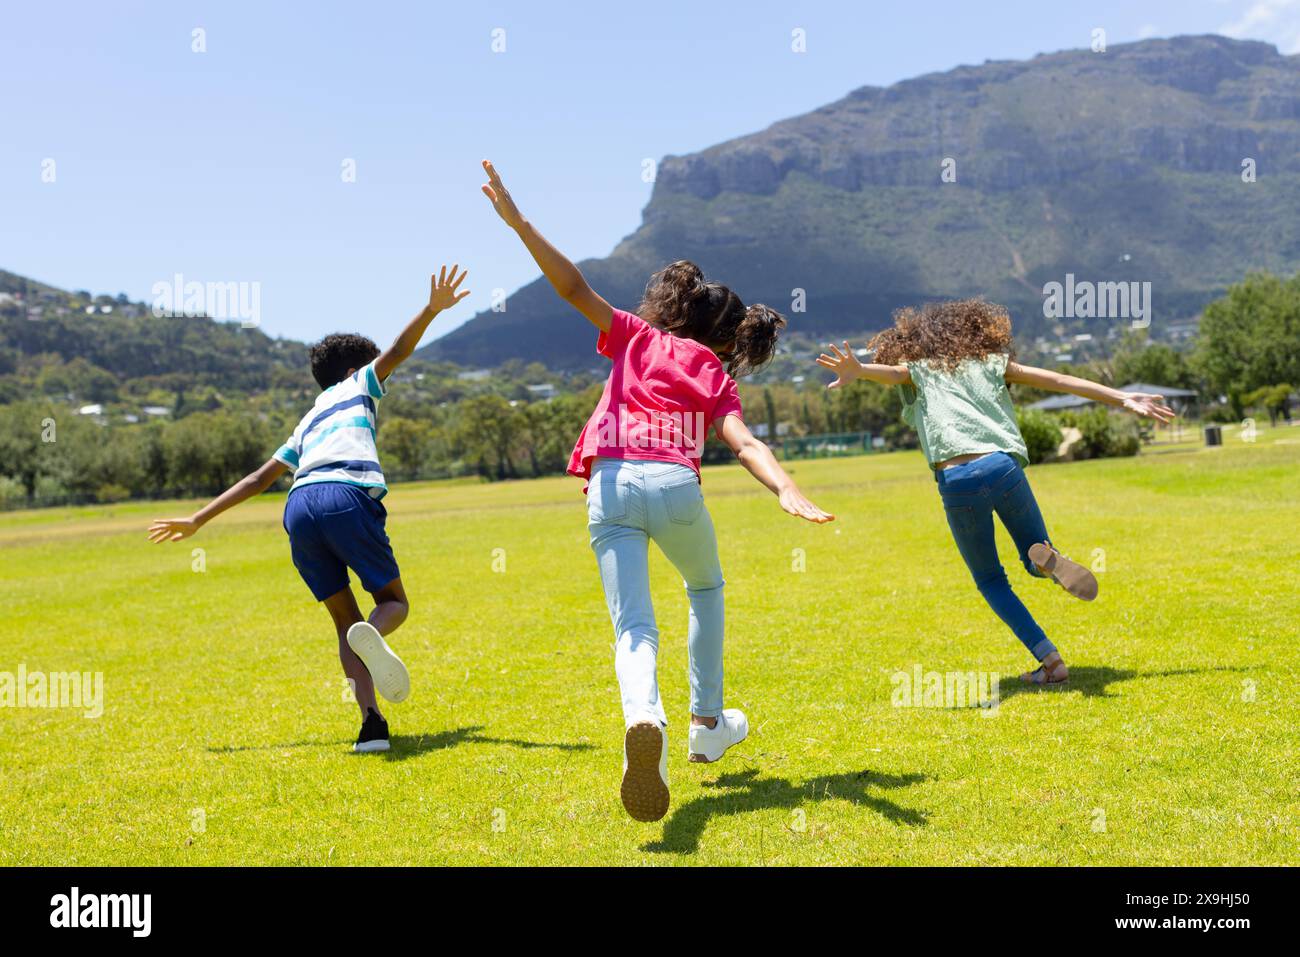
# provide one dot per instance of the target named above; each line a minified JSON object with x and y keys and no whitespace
{"x":442,"y":289}
{"x":1148,"y":405}
{"x":496,"y":191}
{"x":844,"y":364}
{"x":171,"y":529}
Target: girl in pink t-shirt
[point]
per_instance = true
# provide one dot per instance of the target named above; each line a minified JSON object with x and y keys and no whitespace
{"x":640,"y":454}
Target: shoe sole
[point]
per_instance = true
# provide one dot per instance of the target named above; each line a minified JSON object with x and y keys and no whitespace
{"x":644,"y":794}
{"x":1070,"y":575}
{"x":370,"y":747}
{"x":390,"y":676}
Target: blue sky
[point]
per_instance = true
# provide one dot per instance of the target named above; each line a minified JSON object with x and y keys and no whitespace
{"x":226,"y":165}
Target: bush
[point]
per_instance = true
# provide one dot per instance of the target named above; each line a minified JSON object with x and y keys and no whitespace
{"x":107,"y":494}
{"x":1103,"y":435}
{"x":900,"y":435}
{"x":1221,"y":414}
{"x":12,"y":493}
{"x":1041,"y":434}
{"x":50,"y":491}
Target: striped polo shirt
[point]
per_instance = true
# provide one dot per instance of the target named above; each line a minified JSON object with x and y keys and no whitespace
{"x":335,"y":441}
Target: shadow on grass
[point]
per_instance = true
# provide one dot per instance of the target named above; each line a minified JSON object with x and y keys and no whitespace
{"x":405,"y":746}
{"x":285,"y":746}
{"x":411,"y":745}
{"x":745,"y":791}
{"x":1094,"y":680}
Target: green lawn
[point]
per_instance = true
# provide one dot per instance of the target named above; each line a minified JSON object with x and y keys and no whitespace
{"x":225,"y":735}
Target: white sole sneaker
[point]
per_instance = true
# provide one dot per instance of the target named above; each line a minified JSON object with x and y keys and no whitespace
{"x":386,"y":669}
{"x":645,"y":771}
{"x":710,"y":744}
{"x":370,"y":747}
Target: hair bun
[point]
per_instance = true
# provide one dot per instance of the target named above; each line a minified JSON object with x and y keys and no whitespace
{"x":685,"y":279}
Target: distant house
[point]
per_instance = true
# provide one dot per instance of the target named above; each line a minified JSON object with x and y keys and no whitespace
{"x":1177,"y":398}
{"x":544,"y":391}
{"x":156,"y":410}
{"x":1056,"y":403}
{"x":95,"y":409}
{"x":473,"y":375}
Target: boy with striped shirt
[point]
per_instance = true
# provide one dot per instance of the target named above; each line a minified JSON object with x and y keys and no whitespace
{"x":333,"y":515}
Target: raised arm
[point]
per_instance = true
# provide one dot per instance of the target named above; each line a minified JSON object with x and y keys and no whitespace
{"x":762,"y":464}
{"x":1145,"y":404}
{"x":556,"y":267}
{"x":254,"y":483}
{"x":846,"y":367}
{"x":442,"y":295}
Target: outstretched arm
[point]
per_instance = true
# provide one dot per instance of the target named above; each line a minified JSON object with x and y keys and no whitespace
{"x":762,"y":464}
{"x":442,"y":295}
{"x":254,"y":483}
{"x":556,"y":267}
{"x":1145,"y":404}
{"x":846,"y":367}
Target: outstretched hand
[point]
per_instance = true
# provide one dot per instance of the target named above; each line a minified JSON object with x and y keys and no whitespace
{"x":442,"y":288}
{"x":496,"y":191}
{"x":844,"y":364}
{"x":794,"y":502}
{"x":1148,"y":405}
{"x":171,"y":529}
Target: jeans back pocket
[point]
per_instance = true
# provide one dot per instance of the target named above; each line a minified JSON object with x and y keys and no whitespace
{"x":684,"y":501}
{"x":606,"y":500}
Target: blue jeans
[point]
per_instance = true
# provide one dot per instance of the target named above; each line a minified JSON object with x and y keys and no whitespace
{"x":630,"y":503}
{"x":972,"y":492}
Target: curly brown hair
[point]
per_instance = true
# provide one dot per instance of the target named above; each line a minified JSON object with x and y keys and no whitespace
{"x":678,"y":299}
{"x":944,"y":334}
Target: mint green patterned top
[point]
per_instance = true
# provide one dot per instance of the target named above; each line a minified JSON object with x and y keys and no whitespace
{"x":962,"y":412}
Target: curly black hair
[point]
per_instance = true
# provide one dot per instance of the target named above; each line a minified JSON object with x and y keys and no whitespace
{"x":679,"y":300}
{"x":333,"y":356}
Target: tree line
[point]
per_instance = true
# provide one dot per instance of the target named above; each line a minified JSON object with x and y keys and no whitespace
{"x":439,"y":423}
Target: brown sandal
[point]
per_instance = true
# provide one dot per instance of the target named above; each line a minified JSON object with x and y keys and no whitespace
{"x":1045,"y":675}
{"x":1070,"y":575}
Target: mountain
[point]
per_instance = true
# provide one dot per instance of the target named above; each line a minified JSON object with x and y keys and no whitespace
{"x":1117,"y":166}
{"x":93,"y":347}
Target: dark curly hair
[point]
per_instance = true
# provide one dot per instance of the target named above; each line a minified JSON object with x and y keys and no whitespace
{"x":679,"y":300}
{"x":944,"y":334}
{"x":333,"y":356}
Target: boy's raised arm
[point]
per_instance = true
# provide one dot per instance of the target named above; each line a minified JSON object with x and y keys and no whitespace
{"x":556,"y":267}
{"x":1145,"y":404}
{"x":254,"y":483}
{"x":442,"y":295}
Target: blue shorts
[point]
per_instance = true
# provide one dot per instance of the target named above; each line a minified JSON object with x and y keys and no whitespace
{"x":332,"y":527}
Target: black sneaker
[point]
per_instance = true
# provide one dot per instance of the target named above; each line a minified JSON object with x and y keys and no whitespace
{"x":374,"y":734}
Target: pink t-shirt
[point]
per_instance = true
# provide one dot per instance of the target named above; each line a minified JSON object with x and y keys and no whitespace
{"x":662,"y":397}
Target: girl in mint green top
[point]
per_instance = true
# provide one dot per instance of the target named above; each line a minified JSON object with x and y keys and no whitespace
{"x":952,"y":362}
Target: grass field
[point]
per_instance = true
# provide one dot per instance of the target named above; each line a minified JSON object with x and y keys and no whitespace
{"x":225,"y":734}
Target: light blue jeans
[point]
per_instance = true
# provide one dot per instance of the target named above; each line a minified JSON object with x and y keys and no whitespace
{"x":630,"y":503}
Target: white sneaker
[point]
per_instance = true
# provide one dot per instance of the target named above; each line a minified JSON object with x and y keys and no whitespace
{"x":645,"y":770}
{"x":386,"y":669}
{"x":709,"y":744}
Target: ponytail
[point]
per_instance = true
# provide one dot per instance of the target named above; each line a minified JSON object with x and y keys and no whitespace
{"x":755,"y":342}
